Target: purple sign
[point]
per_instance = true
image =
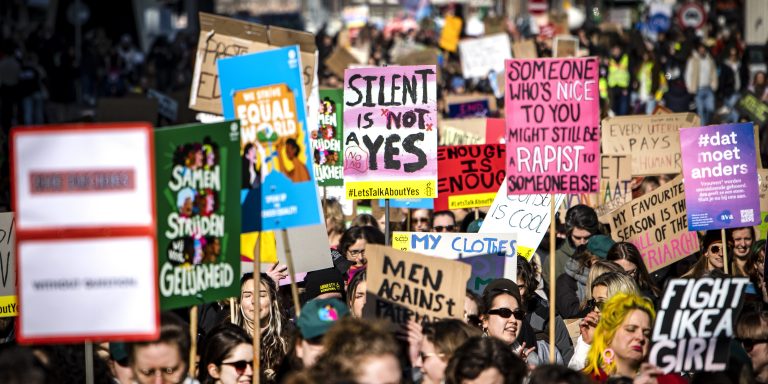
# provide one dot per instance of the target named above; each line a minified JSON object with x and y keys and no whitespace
{"x":720,"y":173}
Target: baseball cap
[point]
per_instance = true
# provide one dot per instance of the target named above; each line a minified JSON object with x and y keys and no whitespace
{"x":317,"y":316}
{"x":327,"y":280}
{"x":599,"y":245}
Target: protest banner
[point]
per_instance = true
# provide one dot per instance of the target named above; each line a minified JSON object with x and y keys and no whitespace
{"x":340,"y":59}
{"x":553,"y":124}
{"x":653,"y":140}
{"x":222,"y":37}
{"x":754,"y":108}
{"x":721,"y":176}
{"x":274,"y":137}
{"x":406,"y":286}
{"x":8,"y":302}
{"x":85,"y":232}
{"x":525,"y":49}
{"x":470,"y":99}
{"x":762,"y":229}
{"x":615,"y":184}
{"x":426,"y":56}
{"x":483,"y":55}
{"x":449,"y":37}
{"x":168,"y":107}
{"x":695,"y":324}
{"x":486,"y":268}
{"x":469,"y":176}
{"x":410,"y":203}
{"x":477,"y":108}
{"x":495,"y":131}
{"x":390,"y":135}
{"x":355,"y":16}
{"x":656,"y":223}
{"x":565,"y":46}
{"x":461,"y":131}
{"x":526,"y":215}
{"x":326,"y":139}
{"x":198,"y":176}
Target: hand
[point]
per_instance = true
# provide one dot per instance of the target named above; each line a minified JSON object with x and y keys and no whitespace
{"x":588,"y":325}
{"x":277,"y":272}
{"x":523,"y":353}
{"x":647,"y":374}
{"x":412,"y":333}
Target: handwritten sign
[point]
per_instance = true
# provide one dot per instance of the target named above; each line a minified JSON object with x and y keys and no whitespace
{"x":657,"y":224}
{"x":462,"y":131}
{"x":526,"y":215}
{"x":390,"y":135}
{"x":615,"y":180}
{"x":481,"y":56}
{"x":326,"y":140}
{"x":405,"y":285}
{"x":8,"y":306}
{"x":553,"y":116}
{"x":469,"y":175}
{"x":695,"y":325}
{"x":653,"y":140}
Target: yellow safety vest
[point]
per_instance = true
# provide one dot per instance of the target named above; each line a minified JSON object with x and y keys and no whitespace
{"x":618,"y":73}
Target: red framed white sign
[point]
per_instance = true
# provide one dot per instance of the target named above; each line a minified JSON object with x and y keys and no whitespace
{"x":86,"y":244}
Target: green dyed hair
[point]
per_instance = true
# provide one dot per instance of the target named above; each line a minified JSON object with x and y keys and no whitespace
{"x":615,"y":311}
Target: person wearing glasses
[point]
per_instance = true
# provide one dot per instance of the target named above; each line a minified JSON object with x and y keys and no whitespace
{"x":752,"y":331}
{"x":628,"y":257}
{"x":432,"y":346}
{"x":227,"y":356}
{"x":352,"y":245}
{"x":711,"y":256}
{"x":502,"y":317}
{"x":165,"y":359}
{"x":420,"y":220}
{"x":444,"y":221}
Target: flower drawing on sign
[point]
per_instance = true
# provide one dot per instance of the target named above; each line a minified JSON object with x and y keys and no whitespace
{"x":356,"y":159}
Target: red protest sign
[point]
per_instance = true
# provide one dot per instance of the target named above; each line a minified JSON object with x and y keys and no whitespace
{"x":468,"y":176}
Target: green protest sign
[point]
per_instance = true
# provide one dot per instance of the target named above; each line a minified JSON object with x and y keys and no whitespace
{"x":754,"y":108}
{"x":198,"y":206}
{"x":326,"y":139}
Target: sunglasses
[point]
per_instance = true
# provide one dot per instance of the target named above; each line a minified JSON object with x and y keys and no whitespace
{"x":240,"y":365}
{"x":715,"y":249}
{"x":749,"y":344}
{"x":420,"y":220}
{"x":446,"y":228}
{"x":506,"y":313}
{"x":592,"y":303}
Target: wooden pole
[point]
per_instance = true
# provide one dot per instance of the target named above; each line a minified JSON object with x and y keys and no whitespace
{"x":552,"y":236}
{"x":192,"y":339}
{"x":256,"y":312}
{"x":89,"y":378}
{"x":289,"y":260}
{"x":477,"y":213}
{"x":725,"y":251}
{"x":387,"y":231}
{"x":232,"y":310}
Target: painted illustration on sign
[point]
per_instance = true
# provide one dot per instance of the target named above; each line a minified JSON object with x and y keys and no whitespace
{"x":326,"y":139}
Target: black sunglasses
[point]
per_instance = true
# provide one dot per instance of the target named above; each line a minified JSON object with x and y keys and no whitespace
{"x":441,"y":228}
{"x":240,"y":365}
{"x":592,"y":303}
{"x":506,"y":313}
{"x":749,"y":344}
{"x":714,"y":249}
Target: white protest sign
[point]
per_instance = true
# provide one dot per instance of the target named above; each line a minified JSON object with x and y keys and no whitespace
{"x":480,"y":56}
{"x":8,"y":305}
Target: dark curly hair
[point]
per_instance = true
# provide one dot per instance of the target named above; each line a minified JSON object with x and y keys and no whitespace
{"x":481,"y":353}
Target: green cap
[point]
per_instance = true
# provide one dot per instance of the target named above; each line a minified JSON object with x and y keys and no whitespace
{"x":317,"y":316}
{"x":599,"y":245}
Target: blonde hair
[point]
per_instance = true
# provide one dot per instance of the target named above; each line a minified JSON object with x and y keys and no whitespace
{"x":334,"y":215}
{"x":753,"y":325}
{"x":598,"y":268}
{"x":617,"y":282}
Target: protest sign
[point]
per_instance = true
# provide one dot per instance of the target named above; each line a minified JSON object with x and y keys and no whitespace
{"x":326,"y":139}
{"x":695,"y":324}
{"x":754,"y":108}
{"x":477,"y":108}
{"x":526,"y":215}
{"x":553,"y":122}
{"x":565,"y":46}
{"x":198,"y":177}
{"x":406,"y":286}
{"x":483,"y":55}
{"x":168,"y":107}
{"x":339,"y":60}
{"x":462,"y":131}
{"x":656,"y":223}
{"x":427,"y":56}
{"x":390,"y":135}
{"x":470,"y":98}
{"x":309,"y":242}
{"x":469,"y":175}
{"x":615,"y":181}
{"x":721,"y":176}
{"x":449,"y":37}
{"x":653,"y":140}
{"x":410,"y":203}
{"x":486,"y":268}
{"x":762,"y":229}
{"x":8,"y":305}
{"x":525,"y":49}
{"x":274,"y":137}
{"x":222,"y":37}
{"x":85,"y":232}
{"x":495,"y":132}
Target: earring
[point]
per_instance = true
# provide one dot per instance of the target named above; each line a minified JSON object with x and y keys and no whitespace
{"x":485,"y":332}
{"x":608,"y":355}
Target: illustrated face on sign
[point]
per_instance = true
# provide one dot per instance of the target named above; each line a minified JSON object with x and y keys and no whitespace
{"x":714,"y":255}
{"x":158,"y":363}
{"x":632,"y":338}
{"x":742,"y":242}
{"x":420,"y":220}
{"x":580,"y":236}
{"x":506,"y":329}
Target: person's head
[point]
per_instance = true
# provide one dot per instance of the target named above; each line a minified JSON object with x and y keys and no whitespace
{"x":472,"y":309}
{"x":599,"y":245}
{"x":441,"y":340}
{"x":165,"y":359}
{"x":580,"y":224}
{"x":626,"y":255}
{"x":623,"y":331}
{"x":118,"y":363}
{"x":334,"y":217}
{"x":316,"y":318}
{"x":272,"y":321}
{"x":742,"y":239}
{"x":356,"y":293}
{"x":324,"y":284}
{"x":557,"y":374}
{"x":485,"y":360}
{"x":711,"y":255}
{"x":608,"y":285}
{"x":759,"y":78}
{"x":616,"y":50}
{"x":752,"y":331}
{"x":353,"y":241}
{"x":502,"y":311}
{"x":267,"y":295}
{"x":701,"y":49}
{"x":600,"y":267}
{"x":292,"y":149}
{"x":526,"y":279}
{"x":227,"y":356}
{"x":365,"y":220}
{"x":444,"y":221}
{"x":420,"y":220}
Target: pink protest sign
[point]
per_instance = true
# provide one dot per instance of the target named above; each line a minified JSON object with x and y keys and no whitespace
{"x":553,"y":126}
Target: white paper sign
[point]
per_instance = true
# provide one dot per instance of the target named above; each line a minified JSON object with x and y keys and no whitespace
{"x":480,"y":56}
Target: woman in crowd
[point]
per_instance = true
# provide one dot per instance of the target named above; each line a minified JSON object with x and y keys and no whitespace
{"x":740,"y":242}
{"x":165,"y":358}
{"x":711,"y":256}
{"x":353,"y":241}
{"x":485,"y":360}
{"x":752,"y":331}
{"x":472,"y":309}
{"x":227,"y":356}
{"x":502,"y":317}
{"x":435,"y":344}
{"x":628,"y":257}
{"x":599,"y":268}
{"x":334,"y":221}
{"x":755,"y":269}
{"x":356,"y":293}
{"x":272,"y":321}
{"x":572,"y":285}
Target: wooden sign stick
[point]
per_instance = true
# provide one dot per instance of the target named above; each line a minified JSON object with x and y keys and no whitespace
{"x":192,"y":339}
{"x":292,"y":272}
{"x":725,"y":251}
{"x":552,"y":236}
{"x":387,"y":231}
{"x":256,"y":315}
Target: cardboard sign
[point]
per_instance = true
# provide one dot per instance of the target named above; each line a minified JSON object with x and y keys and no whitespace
{"x":222,"y":37}
{"x":390,"y":132}
{"x":553,"y":122}
{"x":462,"y":131}
{"x":525,"y":49}
{"x":526,"y":215}
{"x":478,"y":108}
{"x":449,"y":37}
{"x":695,"y":325}
{"x":340,"y":59}
{"x":469,"y":175}
{"x":615,"y":181}
{"x":8,"y":306}
{"x":326,"y":139}
{"x":481,"y":56}
{"x":486,"y":268}
{"x":274,"y":137}
{"x":653,"y":141}
{"x":198,"y":175}
{"x":754,"y":108}
{"x":408,"y":286}
{"x":721,"y":176}
{"x":565,"y":46}
{"x":426,"y":56}
{"x":656,"y":223}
